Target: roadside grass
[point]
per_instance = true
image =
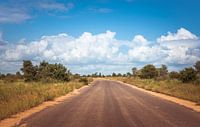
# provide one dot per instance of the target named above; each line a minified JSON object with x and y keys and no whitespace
{"x":19,"y":96}
{"x":187,"y":91}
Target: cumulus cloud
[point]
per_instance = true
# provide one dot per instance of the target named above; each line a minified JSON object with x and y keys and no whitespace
{"x":182,"y":34}
{"x":103,"y":52}
{"x":85,"y":49}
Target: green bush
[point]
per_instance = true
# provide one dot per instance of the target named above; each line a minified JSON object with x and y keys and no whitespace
{"x":174,"y":75}
{"x":148,"y":72}
{"x":188,"y":75}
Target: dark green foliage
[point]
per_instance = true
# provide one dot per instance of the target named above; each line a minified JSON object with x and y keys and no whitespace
{"x":53,"y":71}
{"x":45,"y":72}
{"x":114,"y":74}
{"x":148,"y":72}
{"x":188,"y":75}
{"x":30,"y":71}
{"x":128,"y":74}
{"x":119,"y":74}
{"x":174,"y":75}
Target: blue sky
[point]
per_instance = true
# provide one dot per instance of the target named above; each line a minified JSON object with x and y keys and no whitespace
{"x":131,"y":29}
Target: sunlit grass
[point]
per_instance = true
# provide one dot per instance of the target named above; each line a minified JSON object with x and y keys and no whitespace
{"x":20,"y":96}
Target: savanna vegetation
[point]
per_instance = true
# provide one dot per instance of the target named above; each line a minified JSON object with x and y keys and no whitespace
{"x":184,"y":84}
{"x":36,"y":84}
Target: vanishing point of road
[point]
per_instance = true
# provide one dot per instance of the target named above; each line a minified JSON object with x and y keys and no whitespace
{"x":113,"y":104}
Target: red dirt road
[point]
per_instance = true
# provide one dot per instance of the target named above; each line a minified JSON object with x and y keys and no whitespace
{"x":112,"y":104}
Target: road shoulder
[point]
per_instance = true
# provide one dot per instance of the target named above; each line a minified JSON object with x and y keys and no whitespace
{"x":186,"y":103}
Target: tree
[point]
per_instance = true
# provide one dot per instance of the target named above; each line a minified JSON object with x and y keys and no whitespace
{"x":148,"y":72}
{"x":188,"y":74}
{"x":174,"y":75}
{"x":128,"y":74}
{"x":164,"y":71}
{"x":197,"y":66}
{"x":119,"y":74}
{"x":29,"y":71}
{"x":53,"y":71}
{"x":114,"y":74}
{"x":134,"y":71}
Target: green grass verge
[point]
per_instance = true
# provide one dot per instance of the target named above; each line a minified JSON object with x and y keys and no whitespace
{"x":19,"y":96}
{"x":174,"y":88}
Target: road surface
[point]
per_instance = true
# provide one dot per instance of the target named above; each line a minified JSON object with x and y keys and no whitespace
{"x":112,"y":104}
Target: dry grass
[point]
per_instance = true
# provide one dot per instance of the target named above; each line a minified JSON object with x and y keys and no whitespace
{"x":174,"y":88}
{"x":19,"y":96}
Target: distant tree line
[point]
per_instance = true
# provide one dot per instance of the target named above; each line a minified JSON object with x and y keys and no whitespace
{"x":189,"y":74}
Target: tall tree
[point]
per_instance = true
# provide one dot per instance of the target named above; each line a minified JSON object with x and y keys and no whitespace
{"x":29,"y":71}
{"x":134,"y":71}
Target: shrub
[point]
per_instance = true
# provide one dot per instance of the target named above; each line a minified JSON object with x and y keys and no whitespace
{"x":188,"y":75}
{"x":148,"y":72}
{"x":174,"y":75}
{"x":84,"y":80}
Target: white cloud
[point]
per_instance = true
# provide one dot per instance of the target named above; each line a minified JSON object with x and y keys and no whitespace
{"x":182,"y":34}
{"x":84,"y":49}
{"x":13,"y":14}
{"x":139,"y":40}
{"x":102,"y":52}
{"x":55,"y":6}
{"x":20,"y":11}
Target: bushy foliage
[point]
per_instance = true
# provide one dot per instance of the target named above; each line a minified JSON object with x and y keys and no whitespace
{"x":148,"y":72}
{"x":45,"y":72}
{"x":30,"y":71}
{"x":174,"y":75}
{"x":188,"y":75}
